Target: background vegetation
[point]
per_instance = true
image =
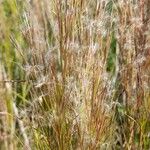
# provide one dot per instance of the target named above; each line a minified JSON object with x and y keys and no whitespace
{"x":75,"y":74}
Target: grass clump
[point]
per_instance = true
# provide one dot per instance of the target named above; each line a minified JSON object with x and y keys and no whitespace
{"x":74,"y":74}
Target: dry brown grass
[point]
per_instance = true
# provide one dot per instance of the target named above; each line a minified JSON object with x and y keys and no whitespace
{"x":83,"y":79}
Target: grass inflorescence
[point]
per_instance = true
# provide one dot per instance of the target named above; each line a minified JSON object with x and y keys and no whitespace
{"x":74,"y":74}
